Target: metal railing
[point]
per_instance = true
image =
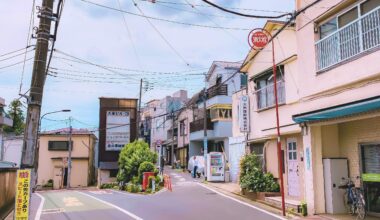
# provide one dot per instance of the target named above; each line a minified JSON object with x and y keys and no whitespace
{"x":355,"y":38}
{"x":265,"y":96}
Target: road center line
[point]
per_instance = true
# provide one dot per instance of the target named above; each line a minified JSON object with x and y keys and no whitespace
{"x":114,"y":206}
{"x":39,"y":210}
{"x":241,"y":202}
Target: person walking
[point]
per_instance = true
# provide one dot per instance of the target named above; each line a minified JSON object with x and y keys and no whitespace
{"x":162,"y":165}
{"x":195,"y":164}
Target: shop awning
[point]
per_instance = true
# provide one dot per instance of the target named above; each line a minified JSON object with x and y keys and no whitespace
{"x":357,"y":107}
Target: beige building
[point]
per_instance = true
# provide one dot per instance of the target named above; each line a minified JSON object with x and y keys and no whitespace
{"x":261,"y":138}
{"x":53,"y":158}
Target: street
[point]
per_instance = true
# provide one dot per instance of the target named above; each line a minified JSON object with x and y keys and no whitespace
{"x":192,"y":200}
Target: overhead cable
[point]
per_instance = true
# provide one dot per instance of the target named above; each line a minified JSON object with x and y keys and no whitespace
{"x":247,"y":15}
{"x":162,"y":19}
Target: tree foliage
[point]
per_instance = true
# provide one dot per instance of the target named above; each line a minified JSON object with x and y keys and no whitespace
{"x":253,"y":178}
{"x":130,"y":159}
{"x":16,"y":113}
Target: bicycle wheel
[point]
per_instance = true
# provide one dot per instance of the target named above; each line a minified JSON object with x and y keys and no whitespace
{"x":360,"y":207}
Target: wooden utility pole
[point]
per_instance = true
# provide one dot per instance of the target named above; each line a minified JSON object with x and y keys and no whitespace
{"x":30,"y":150}
{"x":205,"y":147}
{"x":172,"y":148}
{"x":69,"y":159}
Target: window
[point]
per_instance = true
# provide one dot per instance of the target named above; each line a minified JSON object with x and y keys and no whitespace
{"x":243,"y":80}
{"x":258,"y":149}
{"x":59,"y":145}
{"x":348,"y":34}
{"x":265,"y":89}
{"x":369,"y":6}
{"x":328,"y":28}
{"x":113,"y":173}
{"x":182,"y":128}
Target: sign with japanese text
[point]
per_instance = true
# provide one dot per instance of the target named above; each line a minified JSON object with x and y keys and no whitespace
{"x":244,"y":113}
{"x":22,"y":195}
{"x":118,"y":130}
{"x":258,"y":38}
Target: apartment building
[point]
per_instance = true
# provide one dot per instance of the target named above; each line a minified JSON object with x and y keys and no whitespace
{"x":338,"y":53}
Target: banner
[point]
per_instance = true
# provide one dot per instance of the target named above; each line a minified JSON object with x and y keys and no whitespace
{"x":244,"y":113}
{"x":118,"y":130}
{"x":22,"y":195}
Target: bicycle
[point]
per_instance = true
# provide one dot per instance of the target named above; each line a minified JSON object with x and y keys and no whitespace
{"x":354,"y":199}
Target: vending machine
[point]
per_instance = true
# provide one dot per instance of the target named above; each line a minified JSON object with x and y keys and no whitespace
{"x":215,"y":167}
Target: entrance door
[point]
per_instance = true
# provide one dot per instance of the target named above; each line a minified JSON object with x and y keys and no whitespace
{"x":65,"y":177}
{"x":293,"y":168}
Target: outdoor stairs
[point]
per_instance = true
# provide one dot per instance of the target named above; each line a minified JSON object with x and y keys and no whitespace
{"x":289,"y":203}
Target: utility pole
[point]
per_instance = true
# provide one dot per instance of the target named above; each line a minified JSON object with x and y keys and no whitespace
{"x":69,"y":159}
{"x":30,"y":150}
{"x":138,"y":112}
{"x":205,"y":147}
{"x":172,"y":148}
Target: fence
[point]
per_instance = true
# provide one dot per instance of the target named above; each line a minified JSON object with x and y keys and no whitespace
{"x":8,"y":178}
{"x":359,"y":36}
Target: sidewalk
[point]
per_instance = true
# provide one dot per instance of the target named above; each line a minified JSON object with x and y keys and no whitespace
{"x":234,"y":189}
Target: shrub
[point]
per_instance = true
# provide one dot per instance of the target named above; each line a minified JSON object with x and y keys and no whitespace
{"x":145,"y":167}
{"x":130,"y":159}
{"x":252,"y":177}
{"x":109,"y":186}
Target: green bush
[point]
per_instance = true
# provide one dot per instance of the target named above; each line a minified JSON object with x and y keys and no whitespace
{"x":132,"y":188}
{"x":252,"y":178}
{"x":145,"y":167}
{"x":109,"y":186}
{"x":131,"y":157}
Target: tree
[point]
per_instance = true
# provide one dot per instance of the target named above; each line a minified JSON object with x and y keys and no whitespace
{"x":131,"y":157}
{"x":17,"y":115}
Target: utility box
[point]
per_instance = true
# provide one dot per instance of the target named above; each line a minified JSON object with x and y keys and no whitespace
{"x":334,"y":170}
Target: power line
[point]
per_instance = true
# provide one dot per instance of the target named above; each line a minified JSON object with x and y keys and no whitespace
{"x":161,"y":35}
{"x":208,"y":6}
{"x":15,"y":51}
{"x":162,"y":19}
{"x":247,"y":15}
{"x":14,"y":64}
{"x":16,"y":55}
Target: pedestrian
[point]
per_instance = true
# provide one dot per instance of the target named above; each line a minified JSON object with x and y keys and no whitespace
{"x":195,"y":164}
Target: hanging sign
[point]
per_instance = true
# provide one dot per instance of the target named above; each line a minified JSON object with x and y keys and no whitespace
{"x":22,"y":195}
{"x":244,"y":113}
{"x":258,"y":39}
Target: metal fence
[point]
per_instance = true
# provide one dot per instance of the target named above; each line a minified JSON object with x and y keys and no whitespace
{"x":357,"y":37}
{"x":265,"y":96}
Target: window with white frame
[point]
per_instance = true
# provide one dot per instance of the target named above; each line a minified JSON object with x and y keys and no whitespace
{"x":349,"y":33}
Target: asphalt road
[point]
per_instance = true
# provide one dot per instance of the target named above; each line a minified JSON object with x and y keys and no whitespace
{"x":188,"y":200}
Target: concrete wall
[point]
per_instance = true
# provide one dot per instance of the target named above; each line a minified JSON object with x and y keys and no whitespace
{"x":8,"y":181}
{"x":195,"y":148}
{"x":13,"y":149}
{"x":104,"y":177}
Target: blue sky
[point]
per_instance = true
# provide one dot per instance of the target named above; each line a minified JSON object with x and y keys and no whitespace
{"x":100,"y":36}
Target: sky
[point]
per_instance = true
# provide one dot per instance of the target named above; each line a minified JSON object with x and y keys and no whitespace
{"x":102,"y":52}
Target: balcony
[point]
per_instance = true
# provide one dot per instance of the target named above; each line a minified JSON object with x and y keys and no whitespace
{"x":217,"y":90}
{"x":361,"y":35}
{"x":198,"y":125}
{"x":265,"y":95}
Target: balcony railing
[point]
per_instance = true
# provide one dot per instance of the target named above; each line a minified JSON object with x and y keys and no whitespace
{"x":217,"y":90}
{"x":198,"y":125}
{"x":355,"y":38}
{"x":265,"y":96}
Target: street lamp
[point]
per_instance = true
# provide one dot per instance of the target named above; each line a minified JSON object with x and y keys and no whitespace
{"x":48,"y":113}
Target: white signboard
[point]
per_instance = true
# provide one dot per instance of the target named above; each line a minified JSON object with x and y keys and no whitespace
{"x":244,"y":113}
{"x":118,"y":130}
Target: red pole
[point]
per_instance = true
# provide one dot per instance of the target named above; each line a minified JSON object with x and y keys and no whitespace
{"x":278,"y":130}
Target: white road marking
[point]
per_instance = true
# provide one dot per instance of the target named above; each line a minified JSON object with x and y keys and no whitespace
{"x":241,"y":202}
{"x":114,"y":206}
{"x":39,"y":210}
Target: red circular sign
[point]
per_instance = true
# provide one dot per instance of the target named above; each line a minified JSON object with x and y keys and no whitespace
{"x":258,"y":39}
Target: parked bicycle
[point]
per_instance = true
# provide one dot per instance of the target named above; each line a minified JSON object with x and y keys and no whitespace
{"x":354,"y":198}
